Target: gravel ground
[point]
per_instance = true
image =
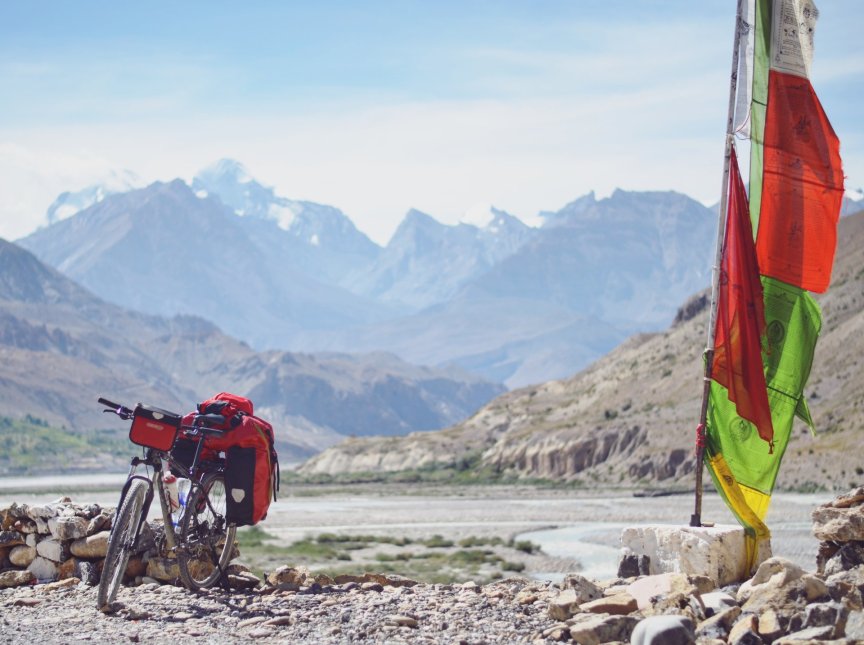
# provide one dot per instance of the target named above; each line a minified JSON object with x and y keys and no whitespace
{"x":346,"y":613}
{"x":353,"y":613}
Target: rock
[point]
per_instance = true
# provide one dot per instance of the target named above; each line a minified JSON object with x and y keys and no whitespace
{"x":526,"y":597}
{"x":632,"y":565}
{"x":89,"y":572}
{"x":663,"y":630}
{"x":660,"y":585}
{"x":43,"y":569}
{"x":16,"y":578}
{"x":135,"y":567}
{"x":67,"y":569}
{"x":67,"y":528}
{"x":92,"y":546}
{"x":22,"y":555}
{"x":716,"y":552}
{"x":101,"y":522}
{"x":41,"y":512}
{"x":619,"y":604}
{"x":243,"y":580}
{"x":289,"y":575}
{"x":745,"y":631}
{"x":60,"y":584}
{"x":11,"y":538}
{"x":591,"y":629}
{"x":717,"y":601}
{"x":163,"y":569}
{"x":563,"y":606}
{"x":813,"y":634}
{"x":26,"y":526}
{"x":855,"y":626}
{"x":848,"y":586}
{"x":54,"y":550}
{"x":775,"y":571}
{"x":855,"y":497}
{"x":584,"y":588}
{"x":720,"y":624}
{"x":825,"y":614}
{"x":372,"y":586}
{"x":832,"y":524}
{"x":772,"y":625}
{"x":401,"y":621}
{"x":848,"y":556}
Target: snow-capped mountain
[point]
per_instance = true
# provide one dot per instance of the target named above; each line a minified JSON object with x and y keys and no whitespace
{"x":162,"y":249}
{"x":490,"y":294}
{"x":320,"y":238}
{"x":69,"y":203}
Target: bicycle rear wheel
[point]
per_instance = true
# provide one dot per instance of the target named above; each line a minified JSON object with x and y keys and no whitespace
{"x":206,"y":541}
{"x":121,"y":542}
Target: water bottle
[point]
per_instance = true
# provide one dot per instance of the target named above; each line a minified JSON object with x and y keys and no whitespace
{"x":183,"y":488}
{"x":170,"y":482}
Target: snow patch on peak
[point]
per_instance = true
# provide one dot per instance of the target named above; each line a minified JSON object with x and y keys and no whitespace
{"x":283,"y":214}
{"x":201,"y":194}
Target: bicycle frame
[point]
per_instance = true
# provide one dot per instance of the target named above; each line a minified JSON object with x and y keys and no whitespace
{"x":154,"y":459}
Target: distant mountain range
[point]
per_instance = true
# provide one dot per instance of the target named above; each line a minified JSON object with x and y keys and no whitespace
{"x":512,"y":303}
{"x":63,"y":347}
{"x":629,"y":419}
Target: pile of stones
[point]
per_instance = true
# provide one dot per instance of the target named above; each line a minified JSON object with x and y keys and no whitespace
{"x":62,"y":540}
{"x":44,"y":543}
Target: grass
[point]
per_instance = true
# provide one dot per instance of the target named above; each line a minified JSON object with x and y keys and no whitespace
{"x":434,"y":559}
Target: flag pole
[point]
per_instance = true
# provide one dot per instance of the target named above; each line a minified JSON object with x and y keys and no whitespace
{"x":696,"y":517}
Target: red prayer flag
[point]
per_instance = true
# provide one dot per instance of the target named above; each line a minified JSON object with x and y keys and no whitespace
{"x":802,"y":186}
{"x":741,"y":315}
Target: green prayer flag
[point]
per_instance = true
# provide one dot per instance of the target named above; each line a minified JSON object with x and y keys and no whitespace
{"x":793,"y":321}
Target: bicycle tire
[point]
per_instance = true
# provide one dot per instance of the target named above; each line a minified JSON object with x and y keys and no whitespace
{"x":206,"y":540}
{"x":121,"y":542}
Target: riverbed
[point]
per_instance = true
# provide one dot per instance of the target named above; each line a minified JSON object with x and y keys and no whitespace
{"x":576,"y":530}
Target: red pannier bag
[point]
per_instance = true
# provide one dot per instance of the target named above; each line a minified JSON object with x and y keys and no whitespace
{"x":229,"y":406}
{"x":251,"y":469}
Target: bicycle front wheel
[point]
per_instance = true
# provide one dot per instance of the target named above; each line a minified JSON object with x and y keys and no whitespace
{"x":121,"y":542}
{"x":206,"y":542}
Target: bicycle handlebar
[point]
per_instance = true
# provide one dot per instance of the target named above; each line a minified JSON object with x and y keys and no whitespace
{"x":200,"y":421}
{"x":120,"y":410}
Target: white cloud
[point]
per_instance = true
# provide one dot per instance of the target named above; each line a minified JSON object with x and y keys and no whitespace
{"x":32,"y":177}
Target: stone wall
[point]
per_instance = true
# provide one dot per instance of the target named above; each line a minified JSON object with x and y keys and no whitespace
{"x":63,"y":540}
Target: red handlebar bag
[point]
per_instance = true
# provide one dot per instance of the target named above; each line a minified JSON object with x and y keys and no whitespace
{"x":154,"y":427}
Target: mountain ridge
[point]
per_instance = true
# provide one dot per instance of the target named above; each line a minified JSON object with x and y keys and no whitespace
{"x":63,"y":348}
{"x":630,"y":416}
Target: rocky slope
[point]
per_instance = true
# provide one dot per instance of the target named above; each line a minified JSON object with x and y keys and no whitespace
{"x":630,"y":417}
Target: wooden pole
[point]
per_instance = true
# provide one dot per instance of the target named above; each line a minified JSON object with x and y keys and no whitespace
{"x":696,"y":517}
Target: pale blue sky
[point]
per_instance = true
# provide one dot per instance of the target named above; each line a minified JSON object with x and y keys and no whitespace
{"x":378,"y":107}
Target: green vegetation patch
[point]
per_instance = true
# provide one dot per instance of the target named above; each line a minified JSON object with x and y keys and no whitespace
{"x":434,"y":559}
{"x":31,"y":446}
